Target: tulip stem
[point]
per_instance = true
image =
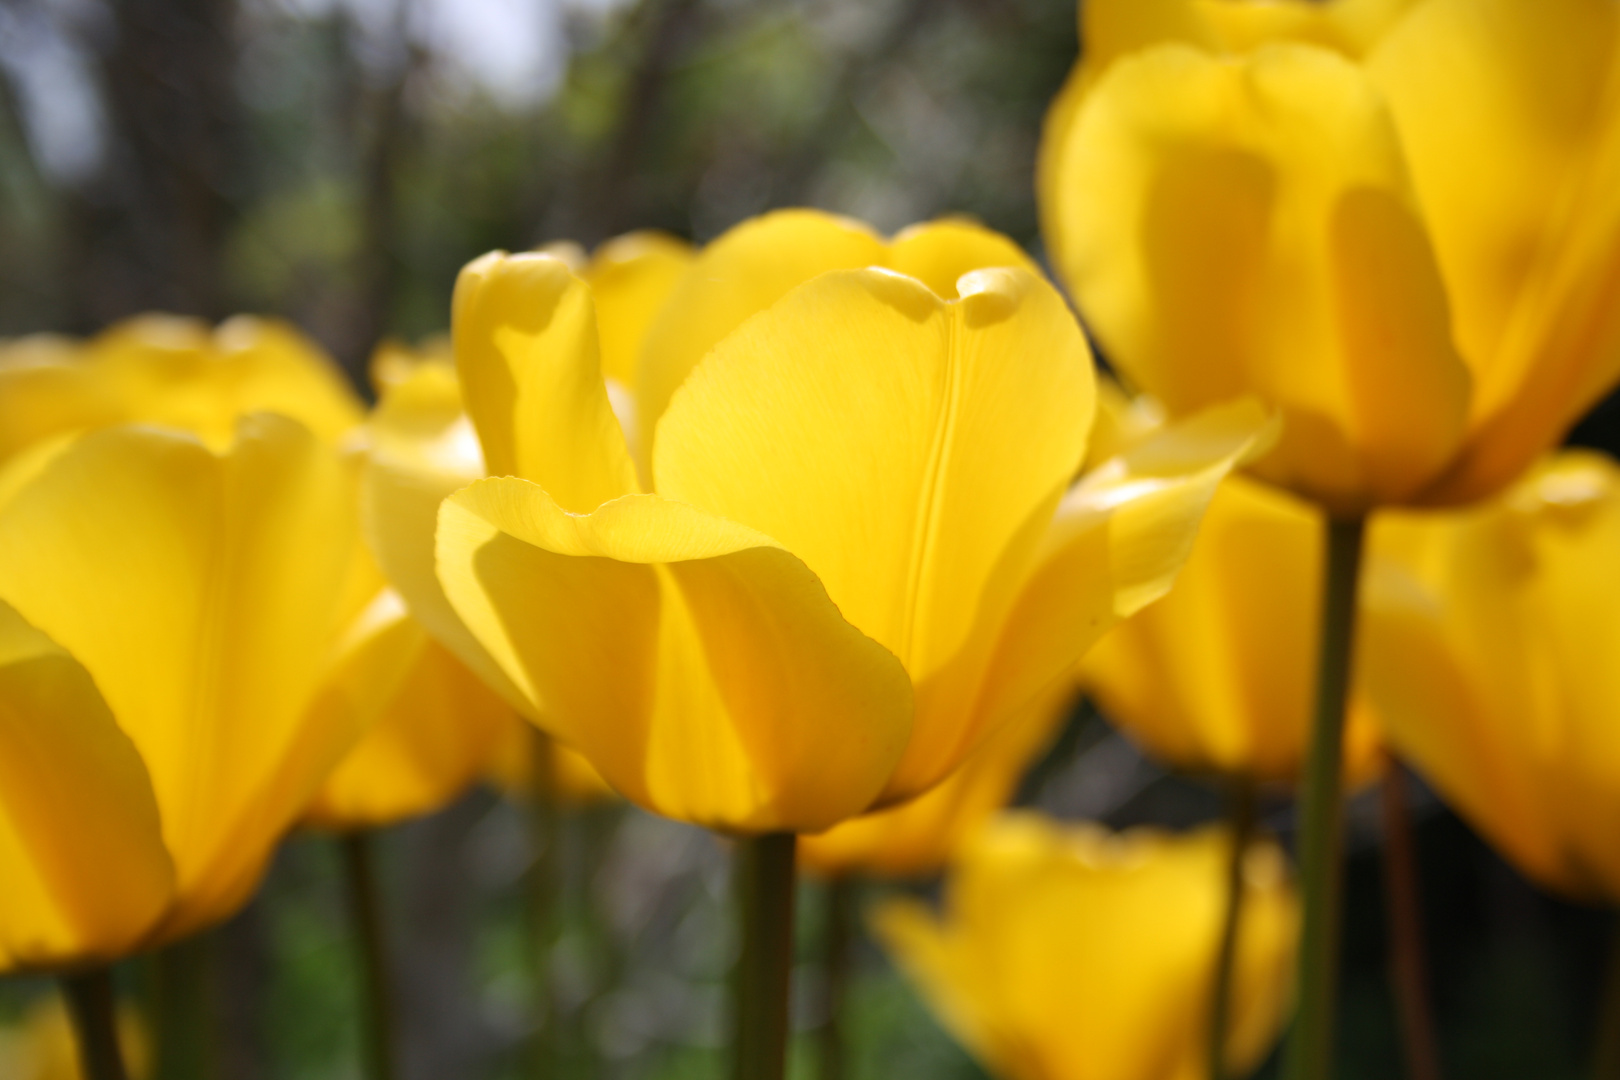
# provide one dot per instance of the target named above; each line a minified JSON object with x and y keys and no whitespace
{"x":1319,"y":839}
{"x":1606,"y":1045}
{"x":763,"y":874}
{"x":183,"y":1009}
{"x":1407,"y":965}
{"x":837,"y":943}
{"x":544,"y":889}
{"x":1241,"y":817}
{"x":95,"y":1023}
{"x":366,"y":905}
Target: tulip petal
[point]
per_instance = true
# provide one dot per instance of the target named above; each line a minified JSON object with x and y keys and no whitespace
{"x":631,"y":277}
{"x":1510,"y":114}
{"x":201,"y":592}
{"x":1487,"y":649}
{"x":1068,"y":951}
{"x":698,"y":665}
{"x":76,"y":814}
{"x":1116,"y":544}
{"x":895,"y":443}
{"x":431,"y":726}
{"x":939,"y":253}
{"x":526,"y":349}
{"x":1218,"y":676}
{"x":740,"y":274}
{"x":424,"y":449}
{"x":46,"y":390}
{"x":180,"y":373}
{"x":916,"y":838}
{"x":1245,"y":226}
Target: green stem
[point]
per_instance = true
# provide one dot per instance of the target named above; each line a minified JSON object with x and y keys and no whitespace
{"x":544,"y":838}
{"x":838,"y":940}
{"x":763,"y":870}
{"x":95,"y":1023}
{"x":183,"y":1009}
{"x":1241,"y":818}
{"x":1310,"y":1045}
{"x":1407,"y":966}
{"x":1606,"y":1045}
{"x":366,"y":906}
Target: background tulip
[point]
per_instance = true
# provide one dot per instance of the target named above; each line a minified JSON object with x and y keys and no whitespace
{"x":1314,"y":222}
{"x":916,"y":838}
{"x":1065,"y":951}
{"x":190,"y":599}
{"x":1217,"y":676}
{"x":172,"y":604}
{"x":702,"y":632}
{"x":1488,"y":645}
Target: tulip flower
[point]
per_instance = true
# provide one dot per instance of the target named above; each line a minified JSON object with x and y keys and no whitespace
{"x":1490,"y":634}
{"x":1310,"y":204}
{"x":1216,"y":677}
{"x":1398,"y":223}
{"x":827,"y":538}
{"x":167,"y":612}
{"x":1067,"y":951}
{"x":831,"y":561}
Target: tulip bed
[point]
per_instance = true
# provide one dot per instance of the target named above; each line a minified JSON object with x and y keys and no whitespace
{"x":828,"y":650}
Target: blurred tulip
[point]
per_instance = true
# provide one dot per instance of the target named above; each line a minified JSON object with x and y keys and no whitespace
{"x":1398,"y":223}
{"x":167,"y":613}
{"x":1489,"y":652}
{"x":431,"y":727}
{"x":1217,"y":677}
{"x":855,"y":565}
{"x":170,"y":600}
{"x":43,"y":1047}
{"x":916,"y":838}
{"x":1069,"y":952}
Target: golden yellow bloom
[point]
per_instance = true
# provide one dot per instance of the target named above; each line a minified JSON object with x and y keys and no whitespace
{"x":916,"y":838}
{"x":43,"y":1047}
{"x":1067,"y":951}
{"x":1490,"y":654}
{"x":1218,"y":675}
{"x":169,"y":604}
{"x":848,"y":564}
{"x":166,"y":613}
{"x":1398,"y":223}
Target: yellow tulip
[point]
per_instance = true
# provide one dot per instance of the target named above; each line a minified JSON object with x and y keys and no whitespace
{"x":916,"y":838}
{"x":1397,"y":223}
{"x":170,"y":599}
{"x":1217,"y":677}
{"x":166,"y":614}
{"x":852,"y":565}
{"x":43,"y":1047}
{"x":1067,"y":951}
{"x":1490,"y":654}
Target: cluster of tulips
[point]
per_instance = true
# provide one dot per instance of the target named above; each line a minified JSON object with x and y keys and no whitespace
{"x":809,"y":537}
